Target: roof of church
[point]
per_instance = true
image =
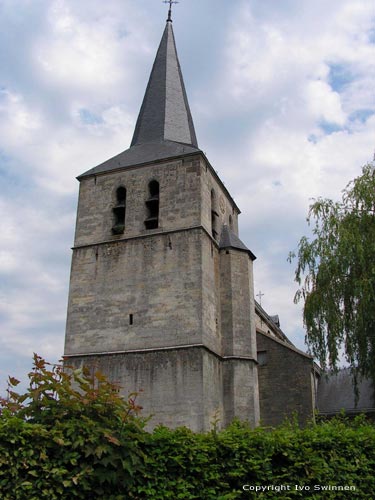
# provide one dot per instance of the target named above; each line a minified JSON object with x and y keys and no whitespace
{"x":229,"y":240}
{"x":165,"y":112}
{"x":336,"y":393}
{"x":164,"y":128}
{"x":143,"y":153}
{"x":275,"y":327}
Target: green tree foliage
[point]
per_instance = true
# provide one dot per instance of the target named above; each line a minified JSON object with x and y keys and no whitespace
{"x":336,"y":274}
{"x":70,"y":435}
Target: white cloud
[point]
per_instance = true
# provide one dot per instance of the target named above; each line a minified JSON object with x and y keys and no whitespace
{"x":323,"y":103}
{"x":18,"y":122}
{"x":77,"y":55}
{"x":8,"y":262}
{"x":281,"y":93}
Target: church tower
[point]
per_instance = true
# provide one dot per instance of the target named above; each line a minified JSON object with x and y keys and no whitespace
{"x":161,"y":290}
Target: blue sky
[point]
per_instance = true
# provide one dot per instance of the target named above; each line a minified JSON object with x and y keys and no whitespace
{"x":282,"y":96}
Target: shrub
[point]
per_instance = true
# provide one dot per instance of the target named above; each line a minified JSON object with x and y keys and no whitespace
{"x":72,"y":436}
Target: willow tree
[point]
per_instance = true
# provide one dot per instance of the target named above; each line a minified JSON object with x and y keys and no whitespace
{"x":336,"y":277}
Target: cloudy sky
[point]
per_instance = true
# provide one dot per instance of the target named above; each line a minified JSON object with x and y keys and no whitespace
{"x":282,"y":96}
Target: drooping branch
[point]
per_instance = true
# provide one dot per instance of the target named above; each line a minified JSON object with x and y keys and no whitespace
{"x":336,"y":276}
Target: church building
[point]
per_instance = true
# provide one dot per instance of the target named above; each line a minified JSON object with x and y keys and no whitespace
{"x":161,"y":293}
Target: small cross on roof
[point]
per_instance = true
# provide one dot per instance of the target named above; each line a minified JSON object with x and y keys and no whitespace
{"x":260,"y":295}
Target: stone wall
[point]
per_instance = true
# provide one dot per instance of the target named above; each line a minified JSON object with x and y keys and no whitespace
{"x":179,"y":206}
{"x":285,"y":381}
{"x":136,"y":294}
{"x":237,"y":303}
{"x":185,"y":200}
{"x":129,"y":291}
{"x":146,"y":305}
{"x":169,"y":383}
{"x":190,"y":387}
{"x":223,"y":205}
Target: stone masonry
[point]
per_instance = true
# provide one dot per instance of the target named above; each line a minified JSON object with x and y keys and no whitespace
{"x":287,"y":381}
{"x":165,"y":311}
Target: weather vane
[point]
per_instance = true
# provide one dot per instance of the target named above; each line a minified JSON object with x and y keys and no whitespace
{"x":171,"y":2}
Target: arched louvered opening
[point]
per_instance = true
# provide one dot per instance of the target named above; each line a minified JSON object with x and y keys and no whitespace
{"x":119,"y":211}
{"x":152,"y":205}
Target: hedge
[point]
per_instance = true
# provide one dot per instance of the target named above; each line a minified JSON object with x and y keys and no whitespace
{"x":60,"y":442}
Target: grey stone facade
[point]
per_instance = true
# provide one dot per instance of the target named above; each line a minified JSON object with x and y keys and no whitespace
{"x":287,"y":381}
{"x":169,"y":297}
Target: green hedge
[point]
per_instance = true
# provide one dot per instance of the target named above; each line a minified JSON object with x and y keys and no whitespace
{"x":180,"y":464}
{"x":78,"y":460}
{"x":61,"y":443}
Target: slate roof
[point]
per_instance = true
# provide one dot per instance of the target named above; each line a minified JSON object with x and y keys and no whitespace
{"x":164,"y":128}
{"x":275,"y":318}
{"x":336,"y":393}
{"x":143,"y":153}
{"x":276,"y":328}
{"x":165,"y":112}
{"x":229,"y":240}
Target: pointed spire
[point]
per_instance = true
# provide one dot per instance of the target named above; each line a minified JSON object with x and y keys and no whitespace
{"x":165,"y":113}
{"x":164,"y":127}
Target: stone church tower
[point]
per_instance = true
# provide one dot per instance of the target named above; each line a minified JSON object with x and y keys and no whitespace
{"x":161,"y":291}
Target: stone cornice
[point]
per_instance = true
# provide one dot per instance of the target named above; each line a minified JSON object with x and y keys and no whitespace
{"x":159,"y":349}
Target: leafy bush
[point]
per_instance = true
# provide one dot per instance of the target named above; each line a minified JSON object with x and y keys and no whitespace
{"x":71,"y":436}
{"x":216,"y":466}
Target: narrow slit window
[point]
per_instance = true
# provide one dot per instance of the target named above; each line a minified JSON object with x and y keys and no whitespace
{"x":152,"y":206}
{"x":131,"y":319}
{"x":214,"y":215}
{"x":119,"y":211}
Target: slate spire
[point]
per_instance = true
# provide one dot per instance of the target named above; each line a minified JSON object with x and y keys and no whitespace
{"x":164,"y":127}
{"x":165,"y":113}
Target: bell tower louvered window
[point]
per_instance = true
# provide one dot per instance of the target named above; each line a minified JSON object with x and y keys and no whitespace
{"x":119,"y":211}
{"x":152,"y":205}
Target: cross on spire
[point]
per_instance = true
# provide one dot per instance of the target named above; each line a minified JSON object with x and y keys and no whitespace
{"x":171,"y":2}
